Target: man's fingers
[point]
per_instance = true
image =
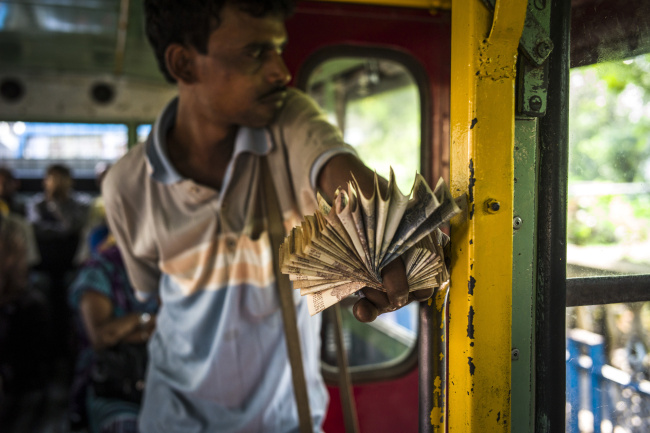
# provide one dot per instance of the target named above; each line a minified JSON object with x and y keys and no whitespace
{"x":421,"y":295}
{"x":394,"y":279}
{"x":364,"y":310}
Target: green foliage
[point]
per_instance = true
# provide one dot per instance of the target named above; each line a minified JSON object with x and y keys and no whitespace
{"x":385,"y":131}
{"x":609,"y":120}
{"x":608,"y":219}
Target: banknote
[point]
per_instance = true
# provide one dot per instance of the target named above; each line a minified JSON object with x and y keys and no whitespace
{"x":344,"y":246}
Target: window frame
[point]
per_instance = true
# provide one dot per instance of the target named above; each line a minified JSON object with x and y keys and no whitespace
{"x":407,"y":362}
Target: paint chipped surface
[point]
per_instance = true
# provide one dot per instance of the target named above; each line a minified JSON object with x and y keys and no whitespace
{"x":472,"y":367}
{"x":495,"y":66}
{"x":437,"y":410}
{"x":470,"y":323}
{"x":471,"y":285}
{"x":472,"y":181}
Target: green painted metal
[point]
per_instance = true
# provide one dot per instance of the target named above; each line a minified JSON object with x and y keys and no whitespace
{"x":536,"y":46}
{"x":523,"y":274}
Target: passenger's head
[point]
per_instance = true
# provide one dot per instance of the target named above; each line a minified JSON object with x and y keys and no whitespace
{"x":57,"y":182}
{"x":190,"y":22}
{"x":8,"y":183}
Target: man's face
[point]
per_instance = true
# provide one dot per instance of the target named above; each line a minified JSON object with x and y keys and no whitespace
{"x":57,"y":185}
{"x":242,"y":78}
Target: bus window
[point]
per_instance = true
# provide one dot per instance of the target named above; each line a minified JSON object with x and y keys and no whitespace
{"x":609,"y":169}
{"x":376,"y":104}
{"x":608,"y":231}
{"x":29,"y":147}
{"x":142,"y":132}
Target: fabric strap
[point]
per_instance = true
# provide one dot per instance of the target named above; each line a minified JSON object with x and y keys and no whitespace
{"x":276,"y":233}
{"x":345,"y":385}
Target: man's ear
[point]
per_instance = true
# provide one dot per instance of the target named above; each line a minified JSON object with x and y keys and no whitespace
{"x":180,"y":63}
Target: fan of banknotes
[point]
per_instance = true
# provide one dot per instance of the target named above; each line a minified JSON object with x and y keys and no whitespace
{"x":343,"y":248}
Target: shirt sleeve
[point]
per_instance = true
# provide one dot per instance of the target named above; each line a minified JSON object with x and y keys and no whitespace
{"x":125,"y":218}
{"x":310,"y":140}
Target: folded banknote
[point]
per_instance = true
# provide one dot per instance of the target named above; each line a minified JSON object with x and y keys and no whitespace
{"x":343,"y":247}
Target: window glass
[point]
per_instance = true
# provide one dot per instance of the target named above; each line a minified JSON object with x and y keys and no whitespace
{"x":142,"y":132}
{"x":60,"y":16}
{"x":376,"y":104}
{"x":29,"y":147}
{"x":608,"y":364}
{"x":607,"y":368}
{"x":609,"y":169}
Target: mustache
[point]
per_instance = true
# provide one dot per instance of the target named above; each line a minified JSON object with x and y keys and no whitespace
{"x":274,"y":90}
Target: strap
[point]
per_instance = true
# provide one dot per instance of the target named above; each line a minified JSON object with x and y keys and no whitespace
{"x":345,"y":385}
{"x":276,"y":233}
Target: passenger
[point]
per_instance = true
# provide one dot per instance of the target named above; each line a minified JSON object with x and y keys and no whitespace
{"x":57,"y":217}
{"x":24,"y":332}
{"x":33,"y":256}
{"x":95,"y":231}
{"x":107,"y":313}
{"x":8,"y":187}
{"x":56,"y":214}
{"x":185,"y":209}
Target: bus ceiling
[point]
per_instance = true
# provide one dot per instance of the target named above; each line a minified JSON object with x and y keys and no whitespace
{"x":106,"y":37}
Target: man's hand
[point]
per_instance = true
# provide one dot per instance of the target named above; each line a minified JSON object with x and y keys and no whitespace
{"x":396,"y":296}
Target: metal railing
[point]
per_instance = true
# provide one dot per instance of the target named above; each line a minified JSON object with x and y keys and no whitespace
{"x":600,"y":397}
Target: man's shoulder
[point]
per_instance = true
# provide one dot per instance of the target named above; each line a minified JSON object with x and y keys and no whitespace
{"x":126,"y":173}
{"x":297,"y":100}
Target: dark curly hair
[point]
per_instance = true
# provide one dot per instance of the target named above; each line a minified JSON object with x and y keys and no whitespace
{"x":190,"y":22}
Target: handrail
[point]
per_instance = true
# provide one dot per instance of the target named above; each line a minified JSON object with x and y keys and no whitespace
{"x":607,"y":290}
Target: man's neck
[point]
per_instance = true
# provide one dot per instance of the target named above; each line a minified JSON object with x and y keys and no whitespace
{"x":200,"y":150}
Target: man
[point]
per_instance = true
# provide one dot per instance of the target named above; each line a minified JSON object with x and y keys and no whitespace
{"x":57,"y":217}
{"x":57,"y":214}
{"x":187,"y":210}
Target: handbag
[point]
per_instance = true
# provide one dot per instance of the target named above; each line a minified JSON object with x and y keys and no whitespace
{"x":118,"y":372}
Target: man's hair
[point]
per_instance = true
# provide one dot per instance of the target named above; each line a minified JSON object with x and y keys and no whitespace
{"x":59,"y":169}
{"x":190,"y":22}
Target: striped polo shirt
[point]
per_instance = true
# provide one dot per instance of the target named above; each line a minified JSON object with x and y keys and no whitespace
{"x":218,"y":359}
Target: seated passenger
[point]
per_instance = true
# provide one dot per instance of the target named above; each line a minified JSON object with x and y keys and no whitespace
{"x":33,"y":256}
{"x":24,"y":331}
{"x":107,"y":313}
{"x":57,"y":217}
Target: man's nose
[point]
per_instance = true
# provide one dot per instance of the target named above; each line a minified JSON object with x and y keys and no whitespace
{"x":278,"y":72}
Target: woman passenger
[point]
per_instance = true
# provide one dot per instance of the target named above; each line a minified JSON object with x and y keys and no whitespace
{"x":107,"y":314}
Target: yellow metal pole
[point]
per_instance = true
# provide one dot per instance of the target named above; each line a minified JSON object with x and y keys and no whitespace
{"x":484,"y":52}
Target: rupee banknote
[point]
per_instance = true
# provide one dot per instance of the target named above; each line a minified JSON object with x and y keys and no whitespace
{"x":344,"y":246}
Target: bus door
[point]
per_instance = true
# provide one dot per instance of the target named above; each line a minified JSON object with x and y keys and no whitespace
{"x":381,"y":72}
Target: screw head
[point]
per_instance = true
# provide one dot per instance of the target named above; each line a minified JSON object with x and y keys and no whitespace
{"x":543,"y":49}
{"x":516,"y":223}
{"x":535,"y":103}
{"x":515,"y":355}
{"x":492,"y":205}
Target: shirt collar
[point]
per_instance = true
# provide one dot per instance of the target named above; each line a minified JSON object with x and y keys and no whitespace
{"x":254,"y":140}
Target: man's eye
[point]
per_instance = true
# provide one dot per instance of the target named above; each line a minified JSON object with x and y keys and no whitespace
{"x":256,"y":53}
